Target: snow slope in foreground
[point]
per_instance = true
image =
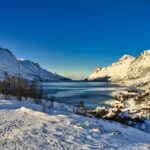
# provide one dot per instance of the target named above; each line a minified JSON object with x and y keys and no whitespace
{"x":24,"y":126}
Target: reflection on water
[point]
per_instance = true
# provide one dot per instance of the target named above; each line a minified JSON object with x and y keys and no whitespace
{"x":91,"y":93}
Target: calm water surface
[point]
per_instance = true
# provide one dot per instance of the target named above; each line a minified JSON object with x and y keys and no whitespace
{"x":91,"y":93}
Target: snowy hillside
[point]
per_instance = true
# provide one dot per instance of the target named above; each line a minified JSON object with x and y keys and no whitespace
{"x":116,"y":71}
{"x":10,"y":65}
{"x":24,"y":126}
{"x":128,"y":70}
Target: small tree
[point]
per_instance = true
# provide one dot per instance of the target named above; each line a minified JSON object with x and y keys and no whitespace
{"x":81,"y":109}
{"x":20,"y":90}
{"x":52,"y":99}
{"x":39,"y":94}
{"x":81,"y":104}
{"x":36,"y":91}
{"x":6,"y":87}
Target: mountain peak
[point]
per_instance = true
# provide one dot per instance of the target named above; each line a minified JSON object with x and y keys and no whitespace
{"x":125,"y":57}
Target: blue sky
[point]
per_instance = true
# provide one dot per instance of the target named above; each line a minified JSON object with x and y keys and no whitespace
{"x":73,"y":37}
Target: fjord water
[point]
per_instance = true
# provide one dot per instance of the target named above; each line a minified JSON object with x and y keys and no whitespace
{"x":93,"y":94}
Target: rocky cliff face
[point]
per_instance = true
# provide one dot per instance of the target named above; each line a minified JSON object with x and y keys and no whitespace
{"x":9,"y":65}
{"x":127,"y":70}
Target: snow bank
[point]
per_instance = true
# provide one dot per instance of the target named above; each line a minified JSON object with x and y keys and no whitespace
{"x":24,"y":126}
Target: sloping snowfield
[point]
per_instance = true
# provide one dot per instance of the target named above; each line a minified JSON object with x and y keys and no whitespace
{"x":24,"y":127}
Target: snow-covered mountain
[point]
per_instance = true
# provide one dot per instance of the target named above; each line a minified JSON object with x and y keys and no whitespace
{"x":128,"y":69}
{"x":10,"y":65}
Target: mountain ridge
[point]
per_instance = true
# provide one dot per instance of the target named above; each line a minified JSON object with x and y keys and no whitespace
{"x":126,"y":69}
{"x":27,"y":69}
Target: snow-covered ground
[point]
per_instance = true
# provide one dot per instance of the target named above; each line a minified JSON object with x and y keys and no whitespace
{"x":24,"y":126}
{"x":137,"y":105}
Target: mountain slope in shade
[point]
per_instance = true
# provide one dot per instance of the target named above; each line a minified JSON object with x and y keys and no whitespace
{"x":9,"y":65}
{"x":129,"y":70}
